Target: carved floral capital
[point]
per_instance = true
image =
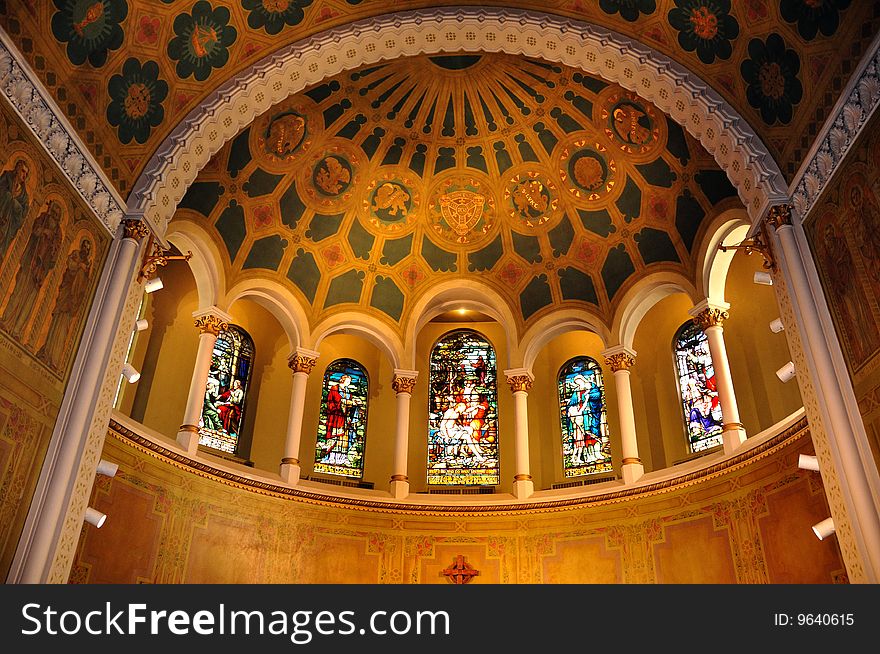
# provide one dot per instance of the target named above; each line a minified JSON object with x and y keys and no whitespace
{"x":211,"y":324}
{"x":779,"y":215}
{"x":300,"y":362}
{"x":711,"y":317}
{"x":403,"y":384}
{"x":134,"y":229}
{"x":620,"y":361}
{"x":519,"y":383}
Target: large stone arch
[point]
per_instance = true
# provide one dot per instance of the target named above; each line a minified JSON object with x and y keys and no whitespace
{"x":598,"y":51}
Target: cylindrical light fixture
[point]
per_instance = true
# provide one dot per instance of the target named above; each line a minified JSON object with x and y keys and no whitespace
{"x":763,"y":278}
{"x":130,"y":373}
{"x":807,"y":462}
{"x":786,"y":372}
{"x":107,"y":468}
{"x":153,"y":285}
{"x":141,"y":324}
{"x":824,"y":529}
{"x":776,"y":326}
{"x":95,"y":517}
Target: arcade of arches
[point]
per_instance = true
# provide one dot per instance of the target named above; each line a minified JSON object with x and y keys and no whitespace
{"x":450,"y":303}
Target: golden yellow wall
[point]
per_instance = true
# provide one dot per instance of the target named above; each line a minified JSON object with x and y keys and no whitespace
{"x":40,"y":328}
{"x":749,"y":523}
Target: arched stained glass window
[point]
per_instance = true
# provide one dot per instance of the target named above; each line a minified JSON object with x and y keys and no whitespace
{"x":226,"y":392}
{"x":696,"y":385}
{"x":462,"y":411}
{"x":586,"y":448}
{"x":342,"y":427}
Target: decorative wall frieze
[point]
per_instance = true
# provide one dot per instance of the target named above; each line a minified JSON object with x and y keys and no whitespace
{"x":37,"y":110}
{"x":853,"y":110}
{"x":597,"y":51}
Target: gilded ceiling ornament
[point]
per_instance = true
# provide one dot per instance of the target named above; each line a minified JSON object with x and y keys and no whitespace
{"x":332,"y":175}
{"x":211,"y":324}
{"x":587,"y":171}
{"x":630,"y":123}
{"x":283,"y":135}
{"x":711,"y":317}
{"x":531,"y":197}
{"x":462,"y":210}
{"x":391,"y":202}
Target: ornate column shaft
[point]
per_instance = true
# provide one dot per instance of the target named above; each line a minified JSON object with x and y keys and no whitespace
{"x":210,"y":322}
{"x":849,"y":474}
{"x":711,"y":316}
{"x":39,"y":540}
{"x":403,"y":385}
{"x":621,"y":359}
{"x":520,"y":381}
{"x":301,"y":363}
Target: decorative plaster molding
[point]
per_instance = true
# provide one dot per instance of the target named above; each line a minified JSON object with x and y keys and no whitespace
{"x":841,"y":130}
{"x":597,"y":51}
{"x":37,"y":110}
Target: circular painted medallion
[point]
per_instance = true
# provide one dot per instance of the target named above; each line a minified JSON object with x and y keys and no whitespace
{"x":630,"y":123}
{"x":587,"y":171}
{"x":391,"y":202}
{"x":462,"y":210}
{"x":328,"y":181}
{"x":283,"y":135}
{"x":531,"y":198}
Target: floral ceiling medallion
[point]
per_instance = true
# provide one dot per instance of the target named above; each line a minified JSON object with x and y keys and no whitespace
{"x":587,"y":171}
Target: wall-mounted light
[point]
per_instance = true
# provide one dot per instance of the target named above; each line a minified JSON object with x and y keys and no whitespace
{"x":130,"y":373}
{"x":776,"y":326}
{"x":807,"y":462}
{"x":107,"y":468}
{"x":95,"y":517}
{"x":786,"y":372}
{"x":153,"y":285}
{"x":824,"y":529}
{"x":142,"y":324}
{"x":763,"y":278}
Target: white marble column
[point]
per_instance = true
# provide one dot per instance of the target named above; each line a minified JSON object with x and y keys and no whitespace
{"x":848,"y":471}
{"x":45,"y":521}
{"x":403,"y":385}
{"x":210,"y":322}
{"x":520,"y":381}
{"x":620,"y":359}
{"x":711,"y":316}
{"x":301,"y":363}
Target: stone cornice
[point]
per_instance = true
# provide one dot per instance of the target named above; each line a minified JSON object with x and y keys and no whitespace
{"x":595,"y":50}
{"x":36,"y":108}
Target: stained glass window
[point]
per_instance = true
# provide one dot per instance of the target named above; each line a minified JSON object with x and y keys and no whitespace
{"x":342,"y":427}
{"x":586,"y":448}
{"x":463,"y":411}
{"x":226,"y":390}
{"x":696,"y":385}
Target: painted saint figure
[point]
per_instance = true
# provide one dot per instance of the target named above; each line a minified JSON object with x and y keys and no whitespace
{"x":210,"y":410}
{"x":14,"y":203}
{"x":72,"y":294}
{"x":585,"y":414}
{"x":341,"y":422}
{"x":229,"y":407}
{"x":38,"y":260}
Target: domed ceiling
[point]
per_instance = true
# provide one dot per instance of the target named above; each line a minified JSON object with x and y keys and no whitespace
{"x":552,"y":187}
{"x":781,"y":65}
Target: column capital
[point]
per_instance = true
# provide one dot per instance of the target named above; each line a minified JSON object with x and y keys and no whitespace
{"x":211,"y":320}
{"x":404,"y":380}
{"x":302,"y":360}
{"x":778,"y":216}
{"x":710,"y":314}
{"x":519,"y":379}
{"x":134,"y":229}
{"x":619,"y":357}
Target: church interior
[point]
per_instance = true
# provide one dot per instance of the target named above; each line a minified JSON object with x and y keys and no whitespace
{"x":339,"y":291}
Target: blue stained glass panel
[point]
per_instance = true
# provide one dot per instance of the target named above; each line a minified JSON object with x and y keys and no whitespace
{"x":586,"y":447}
{"x":342,"y":426}
{"x":697,"y":388}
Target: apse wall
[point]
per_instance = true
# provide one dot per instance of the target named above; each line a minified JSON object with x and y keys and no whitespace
{"x":172,"y":521}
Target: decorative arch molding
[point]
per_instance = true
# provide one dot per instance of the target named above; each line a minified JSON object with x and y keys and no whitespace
{"x":641,"y":297}
{"x":460,"y":294}
{"x":277,"y":300}
{"x":556,"y":324}
{"x":205,"y":264}
{"x":730,"y":227}
{"x":596,"y":50}
{"x":357,"y":323}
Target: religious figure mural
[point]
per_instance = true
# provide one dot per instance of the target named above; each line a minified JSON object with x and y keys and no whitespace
{"x":342,"y":426}
{"x":226,"y":390}
{"x":462,"y":412}
{"x":14,"y":201}
{"x":586,"y":447}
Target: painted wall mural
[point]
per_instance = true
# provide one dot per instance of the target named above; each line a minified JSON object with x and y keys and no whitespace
{"x":51,"y":254}
{"x":843,"y":230}
{"x":780,"y":64}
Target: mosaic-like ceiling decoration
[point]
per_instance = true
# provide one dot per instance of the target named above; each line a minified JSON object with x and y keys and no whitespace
{"x":552,"y":186}
{"x":127,"y":71}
